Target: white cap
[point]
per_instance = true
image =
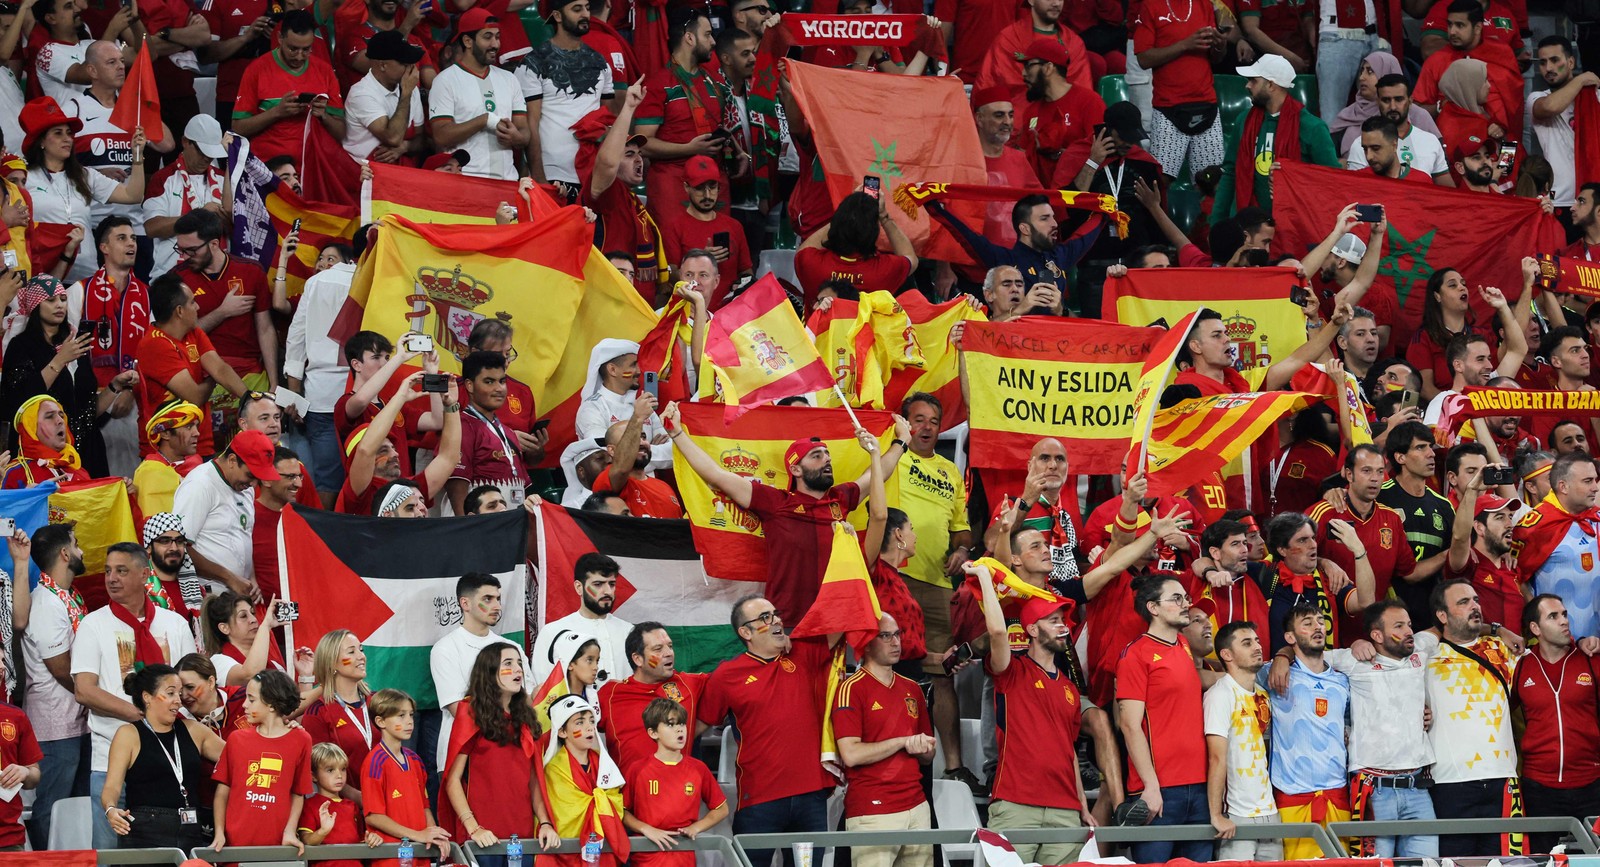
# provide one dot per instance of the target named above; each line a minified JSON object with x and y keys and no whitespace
{"x":1350,"y":248}
{"x":1271,"y":67}
{"x":206,"y":134}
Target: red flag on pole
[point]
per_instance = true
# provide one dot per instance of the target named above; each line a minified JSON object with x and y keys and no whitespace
{"x":139,"y":105}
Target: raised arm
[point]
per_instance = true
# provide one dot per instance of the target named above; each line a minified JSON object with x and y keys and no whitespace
{"x":736,"y":487}
{"x":1515,"y":346}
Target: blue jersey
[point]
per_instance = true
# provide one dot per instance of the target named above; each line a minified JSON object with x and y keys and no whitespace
{"x":1308,"y":730}
{"x":1572,"y":571}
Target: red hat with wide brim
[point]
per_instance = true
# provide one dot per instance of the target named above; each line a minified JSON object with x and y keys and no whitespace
{"x":41,"y":114}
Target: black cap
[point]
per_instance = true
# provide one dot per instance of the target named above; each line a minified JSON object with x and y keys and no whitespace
{"x":1124,"y":119}
{"x":392,"y":45}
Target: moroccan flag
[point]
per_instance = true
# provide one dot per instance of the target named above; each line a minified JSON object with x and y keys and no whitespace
{"x":896,"y":129}
{"x":138,"y":103}
{"x":757,"y":351}
{"x":1153,"y":379}
{"x":1254,"y":303}
{"x":752,"y":445}
{"x":662,"y":579}
{"x":663,"y":351}
{"x":846,"y":602}
{"x":940,"y":374}
{"x":104,"y":517}
{"x":1426,"y":232}
{"x":47,"y":243}
{"x":441,"y":280}
{"x":1586,"y":136}
{"x":609,"y":305}
{"x":392,"y":582}
{"x":1198,"y":437}
{"x":264,"y":212}
{"x":1073,"y":379}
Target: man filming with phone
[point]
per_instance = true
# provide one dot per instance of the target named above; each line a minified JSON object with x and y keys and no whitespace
{"x":628,"y":475}
{"x":280,"y":87}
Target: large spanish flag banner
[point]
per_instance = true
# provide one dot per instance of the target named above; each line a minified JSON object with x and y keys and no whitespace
{"x":104,"y":517}
{"x":1254,"y":303}
{"x":1072,"y":379}
{"x":1426,"y":233}
{"x":608,"y":305}
{"x":752,"y":445}
{"x":1198,"y":437}
{"x":757,"y":351}
{"x":895,"y":128}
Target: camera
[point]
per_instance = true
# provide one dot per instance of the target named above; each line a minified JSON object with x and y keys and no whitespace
{"x":418,"y":343}
{"x":1495,"y":476}
{"x":287,"y":611}
{"x":437,"y":383}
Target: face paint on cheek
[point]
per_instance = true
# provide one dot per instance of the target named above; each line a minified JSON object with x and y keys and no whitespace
{"x":483,"y":606}
{"x":763,"y":627}
{"x":347,"y":660}
{"x":653,"y":660}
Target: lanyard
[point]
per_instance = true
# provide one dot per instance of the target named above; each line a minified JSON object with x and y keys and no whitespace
{"x":362,"y":723}
{"x":1116,"y":183}
{"x":512,"y":457}
{"x":177,"y":767}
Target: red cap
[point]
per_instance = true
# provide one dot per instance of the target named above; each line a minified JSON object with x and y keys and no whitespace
{"x":437,"y":161}
{"x":1494,"y":502}
{"x":988,"y":95}
{"x":475,"y":19}
{"x":1047,"y":50}
{"x":797,"y":452}
{"x":253,"y":447}
{"x":1472,"y":138}
{"x":1036,"y":609}
{"x":699,"y":170}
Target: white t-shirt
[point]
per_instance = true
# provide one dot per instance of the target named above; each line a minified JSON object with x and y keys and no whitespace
{"x":1231,"y":713}
{"x":57,"y":200}
{"x":96,"y":651}
{"x":1386,"y":705}
{"x":461,"y":96}
{"x":568,"y":85}
{"x":224,"y":518}
{"x":1471,"y":735}
{"x":180,"y":194}
{"x":367,"y":103}
{"x":612,"y":633}
{"x":52,"y":709}
{"x":1556,"y":141}
{"x":1420,"y":150}
{"x":50,"y":67}
{"x":11,"y":101}
{"x":450,"y":661}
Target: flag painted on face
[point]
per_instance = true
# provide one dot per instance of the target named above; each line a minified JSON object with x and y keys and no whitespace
{"x":1072,"y":379}
{"x":753,"y":445}
{"x":392,"y":581}
{"x":661,"y":579}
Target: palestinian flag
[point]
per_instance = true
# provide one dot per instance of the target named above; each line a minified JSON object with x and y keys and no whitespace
{"x":661,"y":579}
{"x":392,"y":582}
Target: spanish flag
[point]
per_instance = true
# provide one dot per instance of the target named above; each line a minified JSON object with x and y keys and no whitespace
{"x":663,"y":351}
{"x":1254,"y":303}
{"x":1158,"y":370}
{"x":940,"y":374}
{"x":608,"y":305}
{"x":1198,"y":437}
{"x":104,"y":517}
{"x":752,"y":445}
{"x":757,"y":351}
{"x":876,"y":340}
{"x":265,"y":210}
{"x":846,"y":602}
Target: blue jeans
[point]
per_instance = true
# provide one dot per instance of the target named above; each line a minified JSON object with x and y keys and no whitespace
{"x":1388,"y":805}
{"x":104,"y":837}
{"x":327,"y":470}
{"x":1180,"y":805}
{"x":1338,"y":64}
{"x":58,"y":779}
{"x":794,"y":814}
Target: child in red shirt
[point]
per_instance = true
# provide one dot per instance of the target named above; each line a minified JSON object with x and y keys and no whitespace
{"x":394,"y":785}
{"x":270,"y":763}
{"x":665,"y":791}
{"x":327,"y":818}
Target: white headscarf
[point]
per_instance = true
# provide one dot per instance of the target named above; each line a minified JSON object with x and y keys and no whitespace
{"x":603,"y":352}
{"x":565,"y":708}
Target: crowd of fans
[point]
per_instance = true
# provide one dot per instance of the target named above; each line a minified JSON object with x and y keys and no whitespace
{"x":1357,"y":638}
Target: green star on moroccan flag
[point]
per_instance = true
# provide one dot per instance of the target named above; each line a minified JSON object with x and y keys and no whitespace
{"x":1406,"y":261}
{"x":883,"y":164}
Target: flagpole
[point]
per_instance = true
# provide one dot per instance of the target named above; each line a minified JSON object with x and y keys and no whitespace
{"x":840,"y":392}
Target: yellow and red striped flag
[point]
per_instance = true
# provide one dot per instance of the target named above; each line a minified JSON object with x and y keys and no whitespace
{"x":1198,"y":437}
{"x":1158,"y":370}
{"x":663,"y":351}
{"x":877,"y":341}
{"x":846,"y":602}
{"x":728,"y":538}
{"x":757,"y":351}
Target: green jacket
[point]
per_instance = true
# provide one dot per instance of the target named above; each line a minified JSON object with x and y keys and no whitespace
{"x":1316,"y":146}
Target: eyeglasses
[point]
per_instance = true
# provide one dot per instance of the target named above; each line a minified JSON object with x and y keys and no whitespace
{"x":1178,"y":599}
{"x":890,"y":636}
{"x":169,"y":540}
{"x":767,"y":617}
{"x":190,"y":251}
{"x":510,"y":354}
{"x":257,"y":395}
{"x":764,"y":10}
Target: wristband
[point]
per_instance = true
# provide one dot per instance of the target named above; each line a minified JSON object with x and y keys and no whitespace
{"x":1092,"y":164}
{"x":898,"y":442}
{"x":454,"y":407}
{"x":1362,"y":557}
{"x":1125,"y":525}
{"x":1024,"y":507}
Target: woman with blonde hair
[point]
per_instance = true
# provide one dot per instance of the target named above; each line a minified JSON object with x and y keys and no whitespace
{"x":340,"y":715}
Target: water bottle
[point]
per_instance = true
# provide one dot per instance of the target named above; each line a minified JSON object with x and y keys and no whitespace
{"x":407,"y":856}
{"x":514,"y":851}
{"x":591,"y":849}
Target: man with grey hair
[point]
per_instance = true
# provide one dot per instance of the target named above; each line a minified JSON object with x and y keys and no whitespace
{"x":518,"y":414}
{"x":1359,"y":341}
{"x":1005,"y":293}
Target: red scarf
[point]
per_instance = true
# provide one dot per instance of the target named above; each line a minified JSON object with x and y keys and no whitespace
{"x":1542,"y":529}
{"x":910,"y":197}
{"x":146,"y":650}
{"x":1285,"y":146}
{"x":128,"y":314}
